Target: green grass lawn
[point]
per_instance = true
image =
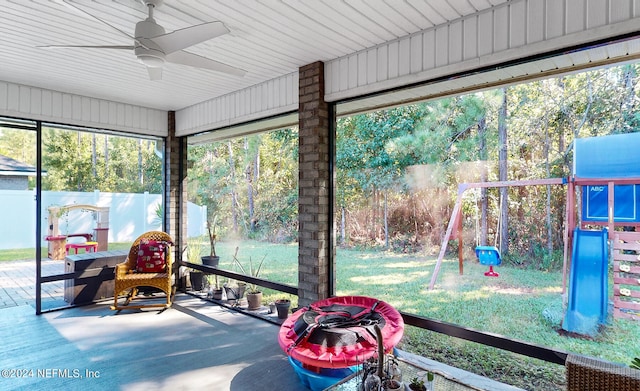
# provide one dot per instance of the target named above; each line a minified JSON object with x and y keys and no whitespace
{"x":520,"y":304}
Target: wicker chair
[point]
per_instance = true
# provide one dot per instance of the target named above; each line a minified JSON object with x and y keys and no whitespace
{"x":127,"y":278}
{"x":591,"y":374}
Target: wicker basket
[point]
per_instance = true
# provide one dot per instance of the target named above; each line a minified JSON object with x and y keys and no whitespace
{"x":591,"y":374}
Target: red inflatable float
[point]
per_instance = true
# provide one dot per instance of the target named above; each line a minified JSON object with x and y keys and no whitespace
{"x":338,"y":332}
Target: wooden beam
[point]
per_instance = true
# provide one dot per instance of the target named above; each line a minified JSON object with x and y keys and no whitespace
{"x":447,"y":235}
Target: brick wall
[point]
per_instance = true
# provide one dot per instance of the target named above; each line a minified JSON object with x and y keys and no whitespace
{"x":175,"y":186}
{"x":314,"y":181}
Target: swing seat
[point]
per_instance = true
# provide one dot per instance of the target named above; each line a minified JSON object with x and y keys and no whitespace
{"x":489,"y":255}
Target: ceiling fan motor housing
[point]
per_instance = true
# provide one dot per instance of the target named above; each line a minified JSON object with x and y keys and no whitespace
{"x":147,"y":51}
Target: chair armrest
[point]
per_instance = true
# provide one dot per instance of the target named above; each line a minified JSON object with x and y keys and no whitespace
{"x":169,"y":258}
{"x":121,"y":269}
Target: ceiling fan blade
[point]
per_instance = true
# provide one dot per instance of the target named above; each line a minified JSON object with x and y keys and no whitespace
{"x":155,"y":73}
{"x":193,"y":60}
{"x":85,"y":46}
{"x":189,"y":36}
{"x":83,"y":12}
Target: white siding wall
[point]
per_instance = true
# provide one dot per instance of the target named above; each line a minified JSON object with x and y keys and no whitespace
{"x":273,"y":97}
{"x":508,"y":32}
{"x":51,"y":106}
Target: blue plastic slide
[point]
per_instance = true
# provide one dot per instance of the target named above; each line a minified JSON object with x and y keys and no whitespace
{"x":588,"y":301}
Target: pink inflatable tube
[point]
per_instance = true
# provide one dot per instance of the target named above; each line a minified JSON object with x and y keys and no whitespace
{"x":338,"y":332}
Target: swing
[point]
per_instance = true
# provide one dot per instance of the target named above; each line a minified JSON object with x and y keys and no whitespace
{"x":489,"y":255}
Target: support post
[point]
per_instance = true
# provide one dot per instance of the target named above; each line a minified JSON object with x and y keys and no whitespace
{"x":316,"y":271}
{"x":175,"y":199}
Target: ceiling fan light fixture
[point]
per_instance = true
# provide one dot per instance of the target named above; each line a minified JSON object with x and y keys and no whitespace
{"x":151,"y":61}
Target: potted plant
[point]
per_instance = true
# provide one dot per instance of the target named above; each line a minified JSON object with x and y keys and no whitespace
{"x":234,"y":290}
{"x":417,"y":384}
{"x":392,"y":384}
{"x":282,"y":306}
{"x":212,"y":259}
{"x":196,"y":277}
{"x":254,"y":295}
{"x":215,"y":290}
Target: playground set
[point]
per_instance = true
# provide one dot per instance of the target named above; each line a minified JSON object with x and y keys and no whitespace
{"x":606,"y":181}
{"x":60,"y":245}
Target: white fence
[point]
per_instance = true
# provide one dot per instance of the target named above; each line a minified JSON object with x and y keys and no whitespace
{"x":129,"y":215}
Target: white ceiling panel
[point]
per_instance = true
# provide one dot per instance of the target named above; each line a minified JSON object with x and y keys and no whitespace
{"x":268,"y":39}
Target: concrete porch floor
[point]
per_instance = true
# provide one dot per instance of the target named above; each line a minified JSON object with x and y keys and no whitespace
{"x":192,"y":346}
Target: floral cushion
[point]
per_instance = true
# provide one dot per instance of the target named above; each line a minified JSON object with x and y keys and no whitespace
{"x":152,"y":256}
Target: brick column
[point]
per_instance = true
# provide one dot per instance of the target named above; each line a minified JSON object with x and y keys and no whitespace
{"x":175,"y":198}
{"x":315,"y":254}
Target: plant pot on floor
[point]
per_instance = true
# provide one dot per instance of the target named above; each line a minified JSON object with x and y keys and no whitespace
{"x":282,"y":306}
{"x":197,"y":280}
{"x":216,"y":294}
{"x":235,"y":292}
{"x":211,"y":260}
{"x":254,"y":300}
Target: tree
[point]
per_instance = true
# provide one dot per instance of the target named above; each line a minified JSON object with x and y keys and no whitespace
{"x":73,"y":163}
{"x":364,"y":154}
{"x":266,"y":166}
{"x":503,"y":158}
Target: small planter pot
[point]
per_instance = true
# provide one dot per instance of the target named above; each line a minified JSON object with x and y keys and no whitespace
{"x":211,"y":260}
{"x":235,"y":292}
{"x":254,"y":300}
{"x":282,"y":306}
{"x":394,"y":385}
{"x":197,"y":280}
{"x":216,"y":294}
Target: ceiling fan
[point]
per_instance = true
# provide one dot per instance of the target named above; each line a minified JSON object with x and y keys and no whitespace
{"x":153,"y":47}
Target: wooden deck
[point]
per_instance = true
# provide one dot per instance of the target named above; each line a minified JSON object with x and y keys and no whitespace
{"x":193,"y":345}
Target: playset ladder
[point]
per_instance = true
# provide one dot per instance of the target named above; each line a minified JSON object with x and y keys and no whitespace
{"x":626,"y":275}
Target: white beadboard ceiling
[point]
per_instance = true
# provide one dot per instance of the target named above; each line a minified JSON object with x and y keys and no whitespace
{"x":269,"y":38}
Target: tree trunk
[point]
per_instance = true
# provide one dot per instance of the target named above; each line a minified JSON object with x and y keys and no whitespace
{"x":548,"y":206}
{"x":94,"y":159}
{"x":374,"y":215}
{"x":234,"y":196}
{"x":140,"y":171}
{"x":502,"y":156}
{"x":482,"y":140}
{"x":248,"y":172}
{"x":386,"y":222}
{"x":106,"y":154}
{"x":627,"y":105}
{"x":343,"y":223}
